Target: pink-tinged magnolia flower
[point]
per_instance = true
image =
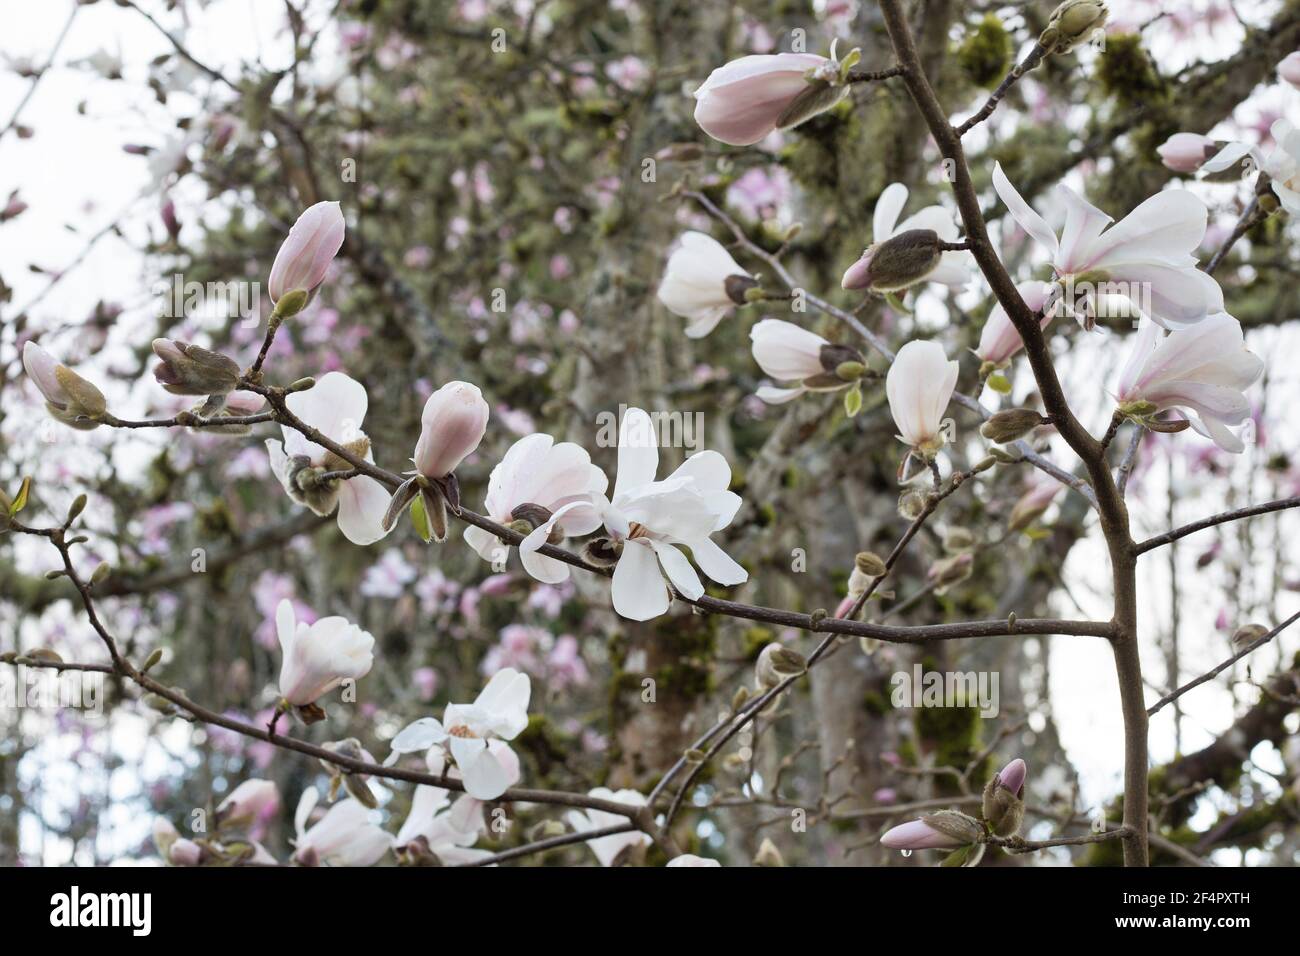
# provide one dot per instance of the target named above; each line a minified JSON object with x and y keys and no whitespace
{"x":1147,"y":257}
{"x":335,"y":406}
{"x":609,"y":848}
{"x":452,"y":425}
{"x":447,"y":832}
{"x":919,"y":385}
{"x":467,"y":732}
{"x":344,"y":836}
{"x":702,"y":283}
{"x":306,"y":254}
{"x":1289,"y":69}
{"x":548,"y":491}
{"x":790,"y":354}
{"x":690,"y":859}
{"x":1186,"y":152}
{"x":69,"y":398}
{"x":743,"y":101}
{"x":1282,"y":165}
{"x":1031,"y":505}
{"x":950,"y":269}
{"x":999,"y":339}
{"x":247,"y":803}
{"x":1204,"y":370}
{"x":651,"y":519}
{"x":918,"y":835}
{"x":319,"y":657}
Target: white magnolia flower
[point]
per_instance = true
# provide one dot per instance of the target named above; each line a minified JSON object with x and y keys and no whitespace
{"x":319,"y":657}
{"x":652,"y":518}
{"x":1203,"y":370}
{"x":789,"y":353}
{"x":449,"y":830}
{"x":1147,"y":257}
{"x":344,"y":836}
{"x":690,"y":859}
{"x":919,"y":385}
{"x":702,"y":283}
{"x":500,"y":711}
{"x":608,"y":848}
{"x":954,"y":267}
{"x":553,"y":489}
{"x":1282,"y":164}
{"x":335,"y":406}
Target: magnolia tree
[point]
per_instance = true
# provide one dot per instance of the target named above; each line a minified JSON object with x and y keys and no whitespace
{"x":669,"y":433}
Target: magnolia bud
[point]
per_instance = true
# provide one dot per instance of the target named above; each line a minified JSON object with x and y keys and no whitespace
{"x":950,"y":571}
{"x":896,"y":263}
{"x":305,"y":257}
{"x":185,"y":852}
{"x":870,"y":564}
{"x":1010,"y":425}
{"x":452,"y":425}
{"x":911,"y":503}
{"x":958,"y":540}
{"x":1247,"y":635}
{"x":1004,"y":807}
{"x":775,"y":664}
{"x":69,"y":398}
{"x":189,"y":370}
{"x":1072,"y":23}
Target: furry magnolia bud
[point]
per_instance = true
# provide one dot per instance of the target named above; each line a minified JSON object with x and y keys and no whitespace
{"x":1004,"y":806}
{"x":1247,"y":635}
{"x":896,"y":263}
{"x":1010,"y":425}
{"x":1072,"y":23}
{"x":189,"y":370}
{"x":775,"y":664}
{"x":870,"y":564}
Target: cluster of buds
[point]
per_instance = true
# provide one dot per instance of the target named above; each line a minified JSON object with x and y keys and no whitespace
{"x":1003,"y":812}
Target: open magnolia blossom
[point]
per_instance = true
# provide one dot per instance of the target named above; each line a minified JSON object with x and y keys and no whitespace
{"x":1146,"y":258}
{"x":999,"y":339}
{"x":951,"y":268}
{"x":305,"y":255}
{"x":447,"y":833}
{"x":918,"y":386}
{"x":702,"y":283}
{"x":610,"y":848}
{"x":500,"y":711}
{"x":344,"y":836}
{"x":745,"y":100}
{"x":335,"y":406}
{"x":1282,"y":164}
{"x":652,"y":519}
{"x":1203,"y":370}
{"x":790,"y":354}
{"x":69,"y":398}
{"x":319,"y":657}
{"x":546,"y":491}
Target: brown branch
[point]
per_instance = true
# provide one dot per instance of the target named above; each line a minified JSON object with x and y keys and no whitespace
{"x":1281,"y":504}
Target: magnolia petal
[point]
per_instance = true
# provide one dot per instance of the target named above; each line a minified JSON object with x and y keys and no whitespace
{"x":638,"y":590}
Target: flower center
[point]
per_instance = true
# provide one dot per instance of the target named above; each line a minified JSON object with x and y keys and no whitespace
{"x":637,"y":530}
{"x":461,"y":730}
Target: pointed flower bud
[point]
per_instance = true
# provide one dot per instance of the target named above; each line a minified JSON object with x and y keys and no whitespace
{"x":745,"y":100}
{"x":1247,"y":635}
{"x":189,"y":370}
{"x":1032,"y":504}
{"x":1004,"y":807}
{"x":453,"y":423}
{"x":1186,"y":152}
{"x":870,"y":564}
{"x":250,"y":801}
{"x":897,"y":263}
{"x":1012,"y":424}
{"x":69,"y":398}
{"x":945,"y":830}
{"x":306,"y":254}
